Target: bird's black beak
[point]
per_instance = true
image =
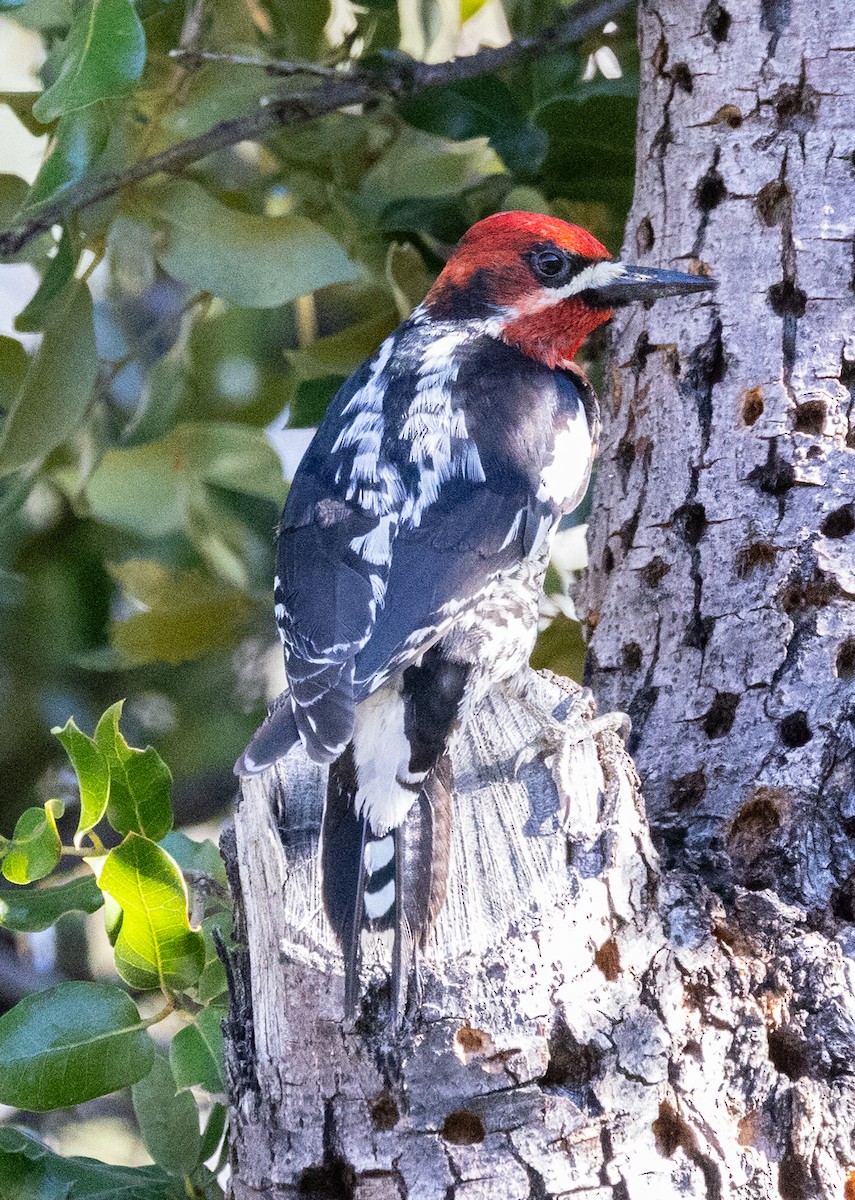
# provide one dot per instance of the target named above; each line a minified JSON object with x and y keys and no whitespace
{"x":645,"y":283}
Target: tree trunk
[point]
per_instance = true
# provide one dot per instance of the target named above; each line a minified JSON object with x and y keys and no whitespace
{"x":591,"y":1025}
{"x":723,"y":554}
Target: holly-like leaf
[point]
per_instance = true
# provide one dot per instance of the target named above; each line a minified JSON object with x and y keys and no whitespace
{"x":55,"y":392}
{"x":168,"y":1120}
{"x":34,"y":1172}
{"x":255,"y":261}
{"x":196,"y":1052}
{"x":104,"y":55}
{"x":69,"y":1044}
{"x":140,"y":782}
{"x":187,"y":614}
{"x":93,"y":774}
{"x":33,"y":909}
{"x":35,"y":848}
{"x":156,"y":946}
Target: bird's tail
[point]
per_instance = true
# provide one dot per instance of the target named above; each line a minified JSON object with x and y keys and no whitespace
{"x":397,"y":881}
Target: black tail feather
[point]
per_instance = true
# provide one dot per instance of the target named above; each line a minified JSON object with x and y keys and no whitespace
{"x":404,"y":889}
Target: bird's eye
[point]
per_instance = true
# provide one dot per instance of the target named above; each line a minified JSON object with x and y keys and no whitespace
{"x":549,"y":263}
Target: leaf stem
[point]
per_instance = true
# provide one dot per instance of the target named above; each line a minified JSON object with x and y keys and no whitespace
{"x":167,"y":1009}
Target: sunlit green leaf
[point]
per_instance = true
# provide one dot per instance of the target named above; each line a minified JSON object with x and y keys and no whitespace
{"x":103,"y":55}
{"x":32,"y":909}
{"x":187,"y":613}
{"x":55,"y":393}
{"x":35,"y":847}
{"x":140,"y":782}
{"x":156,"y":946}
{"x":168,"y":1120}
{"x":69,"y":1044}
{"x":196,"y":1053}
{"x":256,"y":261}
{"x":30,"y":1170}
{"x":468,"y":8}
{"x":93,"y":774}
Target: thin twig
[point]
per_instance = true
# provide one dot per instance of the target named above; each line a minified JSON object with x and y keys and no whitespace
{"x":397,"y":79}
{"x":195,"y":58}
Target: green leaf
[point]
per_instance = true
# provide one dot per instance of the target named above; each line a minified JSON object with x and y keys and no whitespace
{"x":153,"y":489}
{"x":196,"y":859}
{"x":213,"y":982}
{"x":482,"y":107}
{"x":93,"y":774}
{"x":196,"y":1053}
{"x":55,"y":393}
{"x":311,"y":401}
{"x":35,"y":847}
{"x":259,"y":262}
{"x":29,"y":1170}
{"x":38,"y":908}
{"x":21,"y":104}
{"x":59,"y":270}
{"x":468,"y":8}
{"x":168,"y":1120}
{"x":13,"y":368}
{"x":69,"y":1044}
{"x":13,"y":191}
{"x":80,"y":138}
{"x":561,"y":648}
{"x":187,"y":614}
{"x":156,"y":946}
{"x":103,"y":56}
{"x":214,"y":1130}
{"x":140,"y":782}
{"x":341,"y":353}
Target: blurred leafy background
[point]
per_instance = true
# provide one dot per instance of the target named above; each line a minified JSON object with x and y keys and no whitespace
{"x":165,"y":353}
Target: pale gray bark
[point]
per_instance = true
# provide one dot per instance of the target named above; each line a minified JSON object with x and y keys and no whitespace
{"x":723,"y":540}
{"x":592,"y":1025}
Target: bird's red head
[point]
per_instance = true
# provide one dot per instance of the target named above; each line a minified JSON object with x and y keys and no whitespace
{"x":542,"y":284}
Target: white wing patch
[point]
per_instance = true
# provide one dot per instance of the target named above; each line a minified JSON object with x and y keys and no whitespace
{"x":566,"y":475}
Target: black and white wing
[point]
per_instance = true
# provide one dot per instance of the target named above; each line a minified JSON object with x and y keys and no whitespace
{"x":333,"y":556}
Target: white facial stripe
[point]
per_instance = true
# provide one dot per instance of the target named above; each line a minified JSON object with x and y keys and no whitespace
{"x":598,"y":274}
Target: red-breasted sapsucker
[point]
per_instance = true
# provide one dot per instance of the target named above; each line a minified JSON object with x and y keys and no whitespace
{"x":413,"y":545}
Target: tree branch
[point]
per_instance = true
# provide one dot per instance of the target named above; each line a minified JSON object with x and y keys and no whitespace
{"x":398,"y":79}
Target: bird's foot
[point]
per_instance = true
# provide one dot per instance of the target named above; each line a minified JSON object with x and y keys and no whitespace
{"x":569,"y":749}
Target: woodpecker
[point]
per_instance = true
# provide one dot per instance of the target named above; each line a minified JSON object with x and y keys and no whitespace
{"x":413,"y":545}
